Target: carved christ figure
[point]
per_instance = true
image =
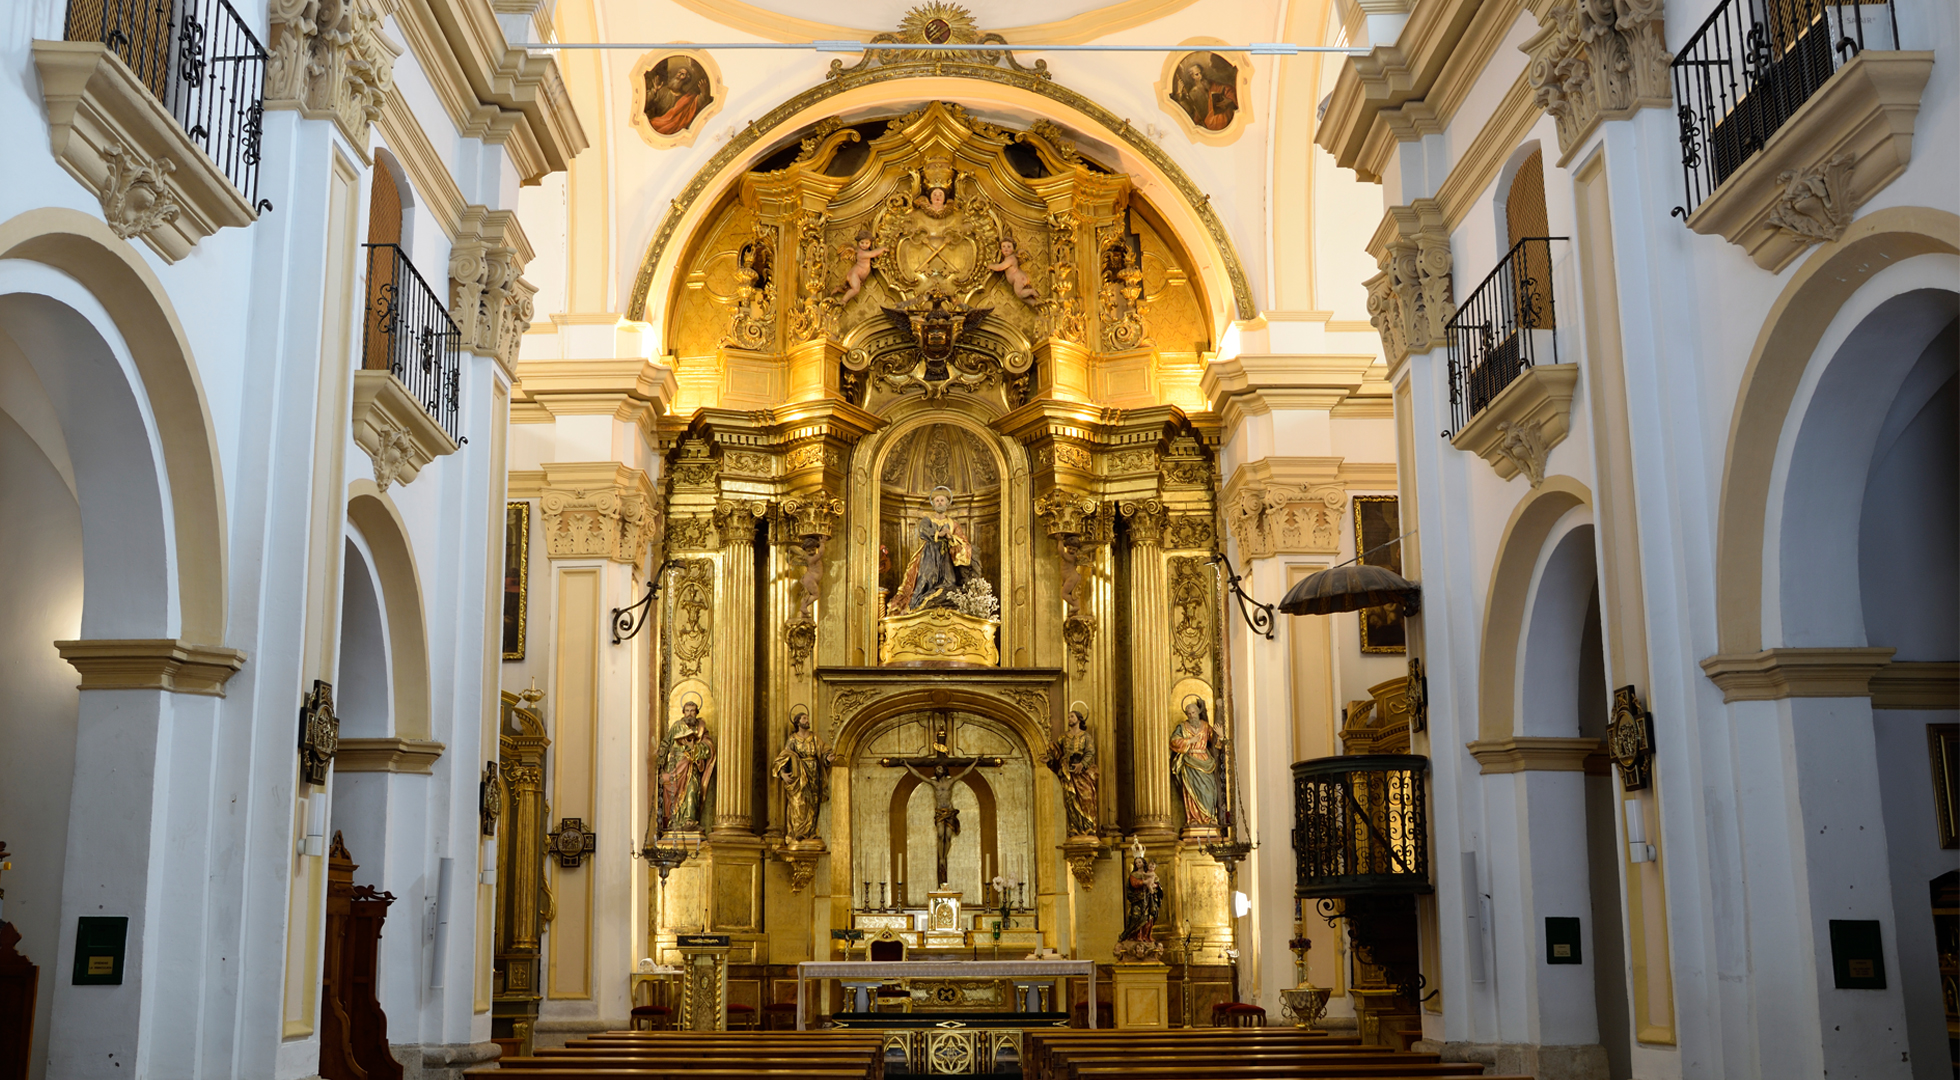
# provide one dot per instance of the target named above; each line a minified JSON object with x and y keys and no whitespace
{"x":945,"y":816}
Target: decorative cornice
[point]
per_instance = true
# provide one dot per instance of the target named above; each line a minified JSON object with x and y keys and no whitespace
{"x":1538,"y":753}
{"x":1595,"y":61}
{"x":630,"y":389}
{"x":111,"y":134}
{"x":1518,"y":429}
{"x":1774,"y":674}
{"x":152,"y":664}
{"x":1395,"y":73}
{"x":1257,"y":384}
{"x":398,"y":434}
{"x":389,"y":755}
{"x":1917,"y":684}
{"x":343,"y":71}
{"x":1843,"y":146}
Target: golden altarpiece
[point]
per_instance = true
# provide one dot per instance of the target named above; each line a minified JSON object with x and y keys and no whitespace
{"x":847,"y":722}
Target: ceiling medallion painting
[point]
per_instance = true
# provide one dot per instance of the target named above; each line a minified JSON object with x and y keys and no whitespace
{"x":675,"y":91}
{"x":1209,"y":93}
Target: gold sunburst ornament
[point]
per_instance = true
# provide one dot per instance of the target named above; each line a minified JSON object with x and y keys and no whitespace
{"x":937,"y":23}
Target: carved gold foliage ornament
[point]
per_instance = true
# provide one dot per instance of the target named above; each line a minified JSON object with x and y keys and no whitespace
{"x":1121,"y":298}
{"x":1066,"y":513}
{"x":847,"y":703}
{"x":1190,"y":598}
{"x":752,"y":323}
{"x":1079,"y":633}
{"x":936,"y":23}
{"x":1146,"y":520}
{"x":1033,"y":702}
{"x":1189,"y":531}
{"x":1597,"y":59}
{"x":694,"y":615}
{"x":329,"y":59}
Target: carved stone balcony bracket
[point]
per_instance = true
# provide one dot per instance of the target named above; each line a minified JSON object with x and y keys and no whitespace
{"x":398,"y":434}
{"x":111,"y":134}
{"x":1518,"y":429}
{"x":330,"y":61}
{"x":1853,"y":137}
{"x":1597,"y":61}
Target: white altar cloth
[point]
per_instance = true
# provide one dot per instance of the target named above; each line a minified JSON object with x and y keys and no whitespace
{"x":872,"y":971}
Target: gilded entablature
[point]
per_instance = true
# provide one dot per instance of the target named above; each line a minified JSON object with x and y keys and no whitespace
{"x":929,"y":254}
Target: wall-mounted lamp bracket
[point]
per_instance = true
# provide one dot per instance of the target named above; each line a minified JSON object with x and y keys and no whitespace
{"x":627,"y":622}
{"x":1258,"y":616}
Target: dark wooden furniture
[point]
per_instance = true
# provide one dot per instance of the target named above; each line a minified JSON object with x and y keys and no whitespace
{"x":353,"y":1029}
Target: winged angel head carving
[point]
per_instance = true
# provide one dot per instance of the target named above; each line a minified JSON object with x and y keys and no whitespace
{"x":936,"y":322}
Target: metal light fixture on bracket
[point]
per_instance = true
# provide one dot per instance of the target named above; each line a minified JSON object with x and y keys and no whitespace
{"x":627,"y":622}
{"x":1258,"y":616}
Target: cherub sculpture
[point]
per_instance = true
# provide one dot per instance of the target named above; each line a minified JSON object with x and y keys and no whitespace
{"x":1009,"y":267}
{"x":860,"y":270}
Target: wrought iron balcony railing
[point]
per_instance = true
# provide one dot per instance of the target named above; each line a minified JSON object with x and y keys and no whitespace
{"x":410,"y":334}
{"x":201,"y":61}
{"x":1751,"y":66}
{"x":1504,"y":327}
{"x":1360,"y":826}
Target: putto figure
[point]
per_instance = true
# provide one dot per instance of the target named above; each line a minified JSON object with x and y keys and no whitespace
{"x":943,"y":562}
{"x":860,"y":270}
{"x":1194,"y":764}
{"x":1072,"y":758}
{"x":1009,"y":267}
{"x":687,"y":768}
{"x":803,"y":767}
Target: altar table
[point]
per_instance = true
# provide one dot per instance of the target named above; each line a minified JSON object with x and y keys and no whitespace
{"x":865,"y":974}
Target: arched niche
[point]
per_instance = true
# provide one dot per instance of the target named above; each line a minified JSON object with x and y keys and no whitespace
{"x":1556,"y":695}
{"x":1519,"y":555}
{"x":385,"y":538}
{"x":1748,"y":615}
{"x":95,"y":323}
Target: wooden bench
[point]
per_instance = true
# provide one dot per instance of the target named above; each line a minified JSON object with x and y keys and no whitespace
{"x":1215,"y":1070}
{"x":658,"y":1055}
{"x":624,"y":1070}
{"x":1047,"y":1049}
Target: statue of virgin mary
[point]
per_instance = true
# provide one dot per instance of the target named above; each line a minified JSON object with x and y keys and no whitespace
{"x":943,"y":562}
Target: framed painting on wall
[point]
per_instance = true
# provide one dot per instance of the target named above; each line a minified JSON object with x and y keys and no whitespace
{"x":1208,"y":93}
{"x":517,"y":575}
{"x":1377,"y":521}
{"x":674,"y":91}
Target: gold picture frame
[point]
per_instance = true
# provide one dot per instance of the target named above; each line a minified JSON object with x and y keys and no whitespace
{"x":1377,"y":521}
{"x":517,"y":575}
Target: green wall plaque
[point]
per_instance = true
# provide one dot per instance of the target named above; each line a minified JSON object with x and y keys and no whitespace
{"x":100,"y":941}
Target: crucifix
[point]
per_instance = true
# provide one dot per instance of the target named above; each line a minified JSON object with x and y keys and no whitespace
{"x":938,"y":770}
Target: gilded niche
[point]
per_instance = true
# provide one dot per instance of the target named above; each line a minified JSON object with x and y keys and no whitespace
{"x":931,"y":255}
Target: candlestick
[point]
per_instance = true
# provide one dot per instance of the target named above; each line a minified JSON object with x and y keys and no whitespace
{"x":881,"y":896}
{"x":867,"y":896}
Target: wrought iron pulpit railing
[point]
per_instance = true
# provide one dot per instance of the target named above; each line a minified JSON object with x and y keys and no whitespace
{"x":1360,"y":826}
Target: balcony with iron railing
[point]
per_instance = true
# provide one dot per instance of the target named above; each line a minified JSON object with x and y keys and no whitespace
{"x":1751,"y":66}
{"x":1505,"y":328}
{"x":201,"y":62}
{"x":1792,"y":113}
{"x":410,"y":336}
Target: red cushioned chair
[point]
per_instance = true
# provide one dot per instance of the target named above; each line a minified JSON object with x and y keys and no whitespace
{"x":1237,"y":1014}
{"x":779,"y":1016}
{"x":741,"y":1016}
{"x":649,"y":1014}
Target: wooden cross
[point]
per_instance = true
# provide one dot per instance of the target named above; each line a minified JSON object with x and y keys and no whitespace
{"x":938,"y":770}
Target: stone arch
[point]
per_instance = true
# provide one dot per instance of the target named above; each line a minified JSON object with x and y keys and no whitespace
{"x":1188,"y":211}
{"x":1793,"y":330}
{"x":381,"y":527}
{"x":1563,"y":596}
{"x":165,"y":563}
{"x":1519,"y":555}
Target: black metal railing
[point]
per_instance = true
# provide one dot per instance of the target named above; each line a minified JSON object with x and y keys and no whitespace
{"x":1360,"y":826}
{"x":410,"y":333}
{"x":201,"y":61}
{"x":1504,"y":327}
{"x":1751,"y":66}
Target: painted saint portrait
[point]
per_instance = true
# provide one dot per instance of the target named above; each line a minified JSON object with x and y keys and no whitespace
{"x":674,"y":93}
{"x":1377,"y":522}
{"x":1206,"y":87}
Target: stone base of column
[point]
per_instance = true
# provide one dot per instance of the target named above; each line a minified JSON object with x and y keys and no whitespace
{"x":1586,"y":1062}
{"x":1142,"y":995}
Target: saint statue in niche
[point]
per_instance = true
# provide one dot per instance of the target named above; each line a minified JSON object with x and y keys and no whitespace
{"x":677,"y":90}
{"x":942,"y":565}
{"x":1206,"y":87}
{"x":1072,"y":758}
{"x":803,"y":766}
{"x":687,"y":768}
{"x":1194,"y":763}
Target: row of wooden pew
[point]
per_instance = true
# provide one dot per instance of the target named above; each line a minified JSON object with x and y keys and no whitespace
{"x":1056,"y":1054}
{"x":1225,"y":1054}
{"x":688,"y":1055}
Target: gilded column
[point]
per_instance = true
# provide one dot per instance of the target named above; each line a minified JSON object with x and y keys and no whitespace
{"x":1150,"y":666}
{"x":735,"y":667}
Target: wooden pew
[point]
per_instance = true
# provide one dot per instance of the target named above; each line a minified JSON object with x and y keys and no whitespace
{"x":1213,"y":1069}
{"x":1046,"y":1048}
{"x":657,"y":1055}
{"x":625,"y":1071}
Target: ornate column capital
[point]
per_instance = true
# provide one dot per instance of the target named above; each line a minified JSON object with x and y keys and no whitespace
{"x":1068,"y":513}
{"x":330,"y":61}
{"x":1594,"y":60}
{"x":597,"y":510}
{"x":812,"y":514}
{"x":489,"y":299}
{"x":1146,"y":518}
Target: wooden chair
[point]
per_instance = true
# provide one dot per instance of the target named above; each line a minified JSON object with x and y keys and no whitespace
{"x":779,"y":1016}
{"x":741,"y":1016}
{"x":1237,"y":1014}
{"x":650,"y":1014}
{"x":887,"y":946}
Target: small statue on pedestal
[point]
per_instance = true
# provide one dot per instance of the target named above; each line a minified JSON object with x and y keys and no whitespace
{"x":803,"y":765}
{"x":1143,"y":898}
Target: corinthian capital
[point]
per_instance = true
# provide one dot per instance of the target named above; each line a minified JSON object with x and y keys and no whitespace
{"x":329,"y":60}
